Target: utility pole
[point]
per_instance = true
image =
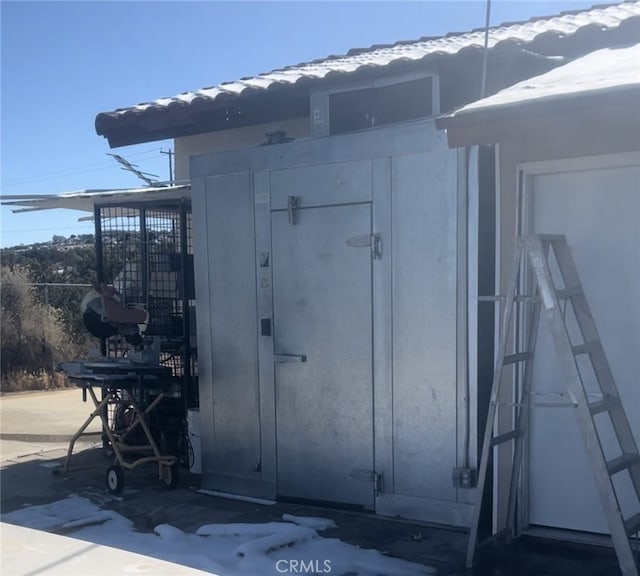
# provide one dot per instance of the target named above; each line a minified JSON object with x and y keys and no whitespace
{"x":170,"y":154}
{"x":485,"y":55}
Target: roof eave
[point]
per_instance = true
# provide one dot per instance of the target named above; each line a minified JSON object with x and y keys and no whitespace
{"x":503,"y":123}
{"x":183,"y":115}
{"x":234,"y":112}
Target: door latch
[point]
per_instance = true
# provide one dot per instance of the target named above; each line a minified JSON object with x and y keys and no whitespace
{"x":374,"y":241}
{"x":292,"y":207}
{"x":287,"y":358}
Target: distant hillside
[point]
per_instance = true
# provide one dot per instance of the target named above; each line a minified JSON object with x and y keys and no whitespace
{"x":61,"y":260}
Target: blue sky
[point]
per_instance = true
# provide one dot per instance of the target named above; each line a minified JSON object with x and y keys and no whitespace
{"x":64,"y":62}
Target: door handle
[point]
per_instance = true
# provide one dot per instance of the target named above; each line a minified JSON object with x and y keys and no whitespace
{"x":282,"y":358}
{"x":293,"y":203}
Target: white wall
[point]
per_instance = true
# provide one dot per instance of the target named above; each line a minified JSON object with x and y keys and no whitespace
{"x":577,"y":136}
{"x":231,"y":140}
{"x":588,"y":134}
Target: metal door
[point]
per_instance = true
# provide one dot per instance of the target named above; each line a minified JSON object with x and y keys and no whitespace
{"x":322,"y":300}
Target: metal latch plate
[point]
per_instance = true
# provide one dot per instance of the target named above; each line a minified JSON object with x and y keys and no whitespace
{"x":374,"y":241}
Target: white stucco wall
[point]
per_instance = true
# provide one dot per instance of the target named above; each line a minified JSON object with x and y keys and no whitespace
{"x":232,"y":140}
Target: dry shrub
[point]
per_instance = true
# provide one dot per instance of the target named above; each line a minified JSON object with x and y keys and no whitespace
{"x":33,"y":335}
{"x":22,"y":381}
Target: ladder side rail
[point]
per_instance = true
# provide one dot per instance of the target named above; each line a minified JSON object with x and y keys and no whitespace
{"x":519,"y":489}
{"x":572,"y":376}
{"x":584,"y":317}
{"x":555,"y":318}
{"x":493,"y":402}
{"x":599,"y":360}
{"x":516,"y":510}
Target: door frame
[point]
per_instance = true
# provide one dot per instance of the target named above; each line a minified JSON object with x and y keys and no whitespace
{"x":374,"y":145}
{"x":526,"y":173}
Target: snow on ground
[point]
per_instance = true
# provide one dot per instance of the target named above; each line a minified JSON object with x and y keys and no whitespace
{"x":274,"y":548}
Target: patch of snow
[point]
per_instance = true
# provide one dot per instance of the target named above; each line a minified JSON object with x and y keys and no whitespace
{"x":285,"y":537}
{"x":168,"y":532}
{"x":63,"y":513}
{"x":246,"y":530}
{"x":236,"y":497}
{"x":98,"y":518}
{"x":268,"y":549}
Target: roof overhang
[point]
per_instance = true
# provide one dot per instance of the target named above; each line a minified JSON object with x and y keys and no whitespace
{"x":284,"y":93}
{"x":605,"y":110}
{"x":87,"y":200}
{"x":603,"y":86}
{"x":202,"y":116}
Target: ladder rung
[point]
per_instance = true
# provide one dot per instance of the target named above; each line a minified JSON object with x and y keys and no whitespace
{"x":586,"y":348}
{"x":565,"y":293}
{"x":551,"y":237}
{"x":622,"y":463}
{"x":632,"y":525}
{"x":502,"y":438}
{"x":516,"y":298}
{"x":602,"y":405}
{"x":515,"y":358}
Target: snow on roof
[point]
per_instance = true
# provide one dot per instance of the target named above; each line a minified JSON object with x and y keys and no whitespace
{"x":604,"y":70}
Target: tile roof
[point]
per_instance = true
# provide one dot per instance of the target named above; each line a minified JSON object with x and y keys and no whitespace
{"x":519,"y":34}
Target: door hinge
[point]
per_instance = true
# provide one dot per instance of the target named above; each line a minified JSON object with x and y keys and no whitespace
{"x":378,"y":484}
{"x":374,"y":241}
{"x":371,"y":476}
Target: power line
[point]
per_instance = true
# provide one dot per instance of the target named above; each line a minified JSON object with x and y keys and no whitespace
{"x":151,"y":150}
{"x":61,"y":174}
{"x":17,"y":181}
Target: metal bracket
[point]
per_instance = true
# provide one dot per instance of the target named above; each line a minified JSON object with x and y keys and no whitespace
{"x":464,"y":477}
{"x":378,"y":484}
{"x":293,"y":203}
{"x":371,"y":476}
{"x":374,"y":241}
